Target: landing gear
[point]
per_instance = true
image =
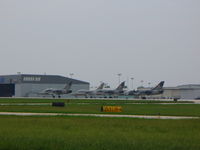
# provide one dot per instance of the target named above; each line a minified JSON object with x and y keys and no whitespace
{"x":59,"y":96}
{"x":53,"y":96}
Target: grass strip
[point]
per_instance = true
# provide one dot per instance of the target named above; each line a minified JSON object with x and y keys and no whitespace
{"x":145,"y":109}
{"x":76,"y":133}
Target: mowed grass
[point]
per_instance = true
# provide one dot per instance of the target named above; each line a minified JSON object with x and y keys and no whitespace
{"x":81,"y":133}
{"x":134,"y":109}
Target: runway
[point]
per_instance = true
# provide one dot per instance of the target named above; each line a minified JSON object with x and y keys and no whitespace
{"x":96,"y":115}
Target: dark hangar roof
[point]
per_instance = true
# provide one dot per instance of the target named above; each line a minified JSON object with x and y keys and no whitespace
{"x":34,"y":78}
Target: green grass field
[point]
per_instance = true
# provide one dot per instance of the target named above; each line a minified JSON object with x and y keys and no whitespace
{"x":76,"y":133}
{"x":93,"y":133}
{"x":134,"y":109}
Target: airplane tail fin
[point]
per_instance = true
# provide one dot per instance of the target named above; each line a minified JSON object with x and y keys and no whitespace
{"x":100,"y":86}
{"x":121,"y":86}
{"x":159,"y":86}
{"x":68,"y":86}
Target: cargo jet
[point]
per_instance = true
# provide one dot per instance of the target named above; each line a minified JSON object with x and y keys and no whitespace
{"x":89,"y":93}
{"x":58,"y":92}
{"x":111,"y":93}
{"x":154,"y":91}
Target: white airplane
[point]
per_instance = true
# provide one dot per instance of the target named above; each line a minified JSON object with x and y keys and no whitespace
{"x":58,"y":92}
{"x":89,"y":93}
{"x":115,"y":92}
{"x":153,"y":91}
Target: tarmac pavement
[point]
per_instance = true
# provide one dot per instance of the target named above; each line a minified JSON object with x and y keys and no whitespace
{"x":97,"y":115}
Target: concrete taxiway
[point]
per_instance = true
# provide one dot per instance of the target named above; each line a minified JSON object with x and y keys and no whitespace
{"x":97,"y":115}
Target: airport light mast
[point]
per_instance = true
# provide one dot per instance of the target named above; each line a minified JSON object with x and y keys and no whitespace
{"x":142,"y":82}
{"x":132,"y":82}
{"x":71,"y":75}
{"x":149,"y":84}
{"x":119,"y":75}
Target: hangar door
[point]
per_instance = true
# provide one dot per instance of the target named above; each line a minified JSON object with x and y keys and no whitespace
{"x":7,"y":90}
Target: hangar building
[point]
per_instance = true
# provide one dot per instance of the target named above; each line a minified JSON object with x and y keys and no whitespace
{"x":188,"y":91}
{"x":29,"y":85}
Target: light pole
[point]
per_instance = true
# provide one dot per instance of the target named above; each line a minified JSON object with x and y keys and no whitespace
{"x":149,"y":84}
{"x":132,"y":82}
{"x":119,"y":74}
{"x":71,"y":75}
{"x":142,"y":83}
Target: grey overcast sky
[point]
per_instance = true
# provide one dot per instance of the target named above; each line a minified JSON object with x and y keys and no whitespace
{"x":150,"y":40}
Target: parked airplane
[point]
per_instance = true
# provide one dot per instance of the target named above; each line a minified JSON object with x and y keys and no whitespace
{"x":89,"y":93}
{"x":111,"y":93}
{"x":58,"y":92}
{"x":154,"y":91}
